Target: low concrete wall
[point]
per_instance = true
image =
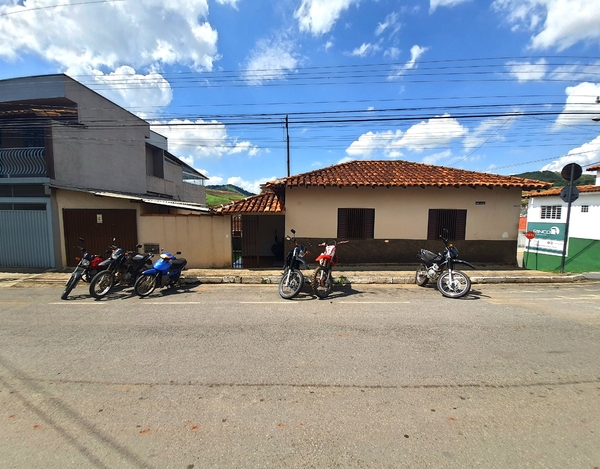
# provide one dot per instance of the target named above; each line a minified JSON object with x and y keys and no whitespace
{"x":204,"y":240}
{"x":404,"y":251}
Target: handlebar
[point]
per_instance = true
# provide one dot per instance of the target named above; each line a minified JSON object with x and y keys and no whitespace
{"x":333,"y":243}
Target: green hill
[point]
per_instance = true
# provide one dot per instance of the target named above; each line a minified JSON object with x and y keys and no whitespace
{"x":556,"y":179}
{"x":217,"y":195}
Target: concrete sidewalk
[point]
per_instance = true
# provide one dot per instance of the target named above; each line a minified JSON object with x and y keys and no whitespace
{"x":371,"y":274}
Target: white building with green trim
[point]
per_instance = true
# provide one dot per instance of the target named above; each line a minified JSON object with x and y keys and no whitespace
{"x":547,"y":219}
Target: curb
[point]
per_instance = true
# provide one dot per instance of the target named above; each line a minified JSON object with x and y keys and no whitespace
{"x":383,"y":280}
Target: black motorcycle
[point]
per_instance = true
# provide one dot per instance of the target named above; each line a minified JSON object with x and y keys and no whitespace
{"x":440,"y":268}
{"x":292,"y":279}
{"x":88,"y":266}
{"x":122,"y":268}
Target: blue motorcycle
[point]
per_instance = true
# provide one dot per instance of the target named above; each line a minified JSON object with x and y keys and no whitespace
{"x":165,"y":272}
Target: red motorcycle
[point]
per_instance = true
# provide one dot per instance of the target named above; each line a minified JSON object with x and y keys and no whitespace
{"x":88,"y":266}
{"x":322,"y":281}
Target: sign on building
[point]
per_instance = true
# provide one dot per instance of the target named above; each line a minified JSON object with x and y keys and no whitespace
{"x":549,"y":238}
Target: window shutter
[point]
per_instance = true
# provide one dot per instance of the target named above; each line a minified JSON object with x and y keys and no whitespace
{"x":461,"y":224}
{"x":432,"y":224}
{"x":369,"y":232}
{"x":342,"y":231}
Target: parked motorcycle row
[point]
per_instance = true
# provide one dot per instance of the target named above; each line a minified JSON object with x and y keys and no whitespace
{"x":438,"y":268}
{"x":131,"y":268}
{"x":125,"y":268}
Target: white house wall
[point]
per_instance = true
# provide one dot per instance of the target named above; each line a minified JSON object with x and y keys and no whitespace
{"x":585,"y":225}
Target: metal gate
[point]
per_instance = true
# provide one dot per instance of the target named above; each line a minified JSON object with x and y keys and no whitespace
{"x":26,"y":239}
{"x":244,"y":239}
{"x":98,"y":227}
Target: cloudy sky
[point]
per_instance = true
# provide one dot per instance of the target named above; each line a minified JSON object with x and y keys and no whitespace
{"x":503,"y":86}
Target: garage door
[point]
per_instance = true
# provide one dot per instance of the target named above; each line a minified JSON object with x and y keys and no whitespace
{"x":26,"y":239}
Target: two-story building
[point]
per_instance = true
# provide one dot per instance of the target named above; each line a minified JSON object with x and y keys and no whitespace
{"x":74,"y":164}
{"x":547,"y":222}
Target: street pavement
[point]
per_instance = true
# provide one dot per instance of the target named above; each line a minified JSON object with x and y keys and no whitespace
{"x":370,"y":274}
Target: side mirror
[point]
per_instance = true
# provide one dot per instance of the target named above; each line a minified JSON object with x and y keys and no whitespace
{"x":139,"y":246}
{"x":82,"y":240}
{"x":293,"y":231}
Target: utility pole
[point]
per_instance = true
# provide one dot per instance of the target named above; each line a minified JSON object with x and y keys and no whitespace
{"x":287,"y":136}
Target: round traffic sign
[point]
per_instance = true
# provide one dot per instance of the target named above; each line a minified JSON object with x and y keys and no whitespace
{"x":571,"y":168}
{"x":530,"y":235}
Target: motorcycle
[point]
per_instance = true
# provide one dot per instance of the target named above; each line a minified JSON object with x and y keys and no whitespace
{"x":322,"y":281}
{"x":292,"y":279}
{"x":121,"y":268}
{"x":88,"y":266}
{"x":165,"y":272}
{"x":440,"y":268}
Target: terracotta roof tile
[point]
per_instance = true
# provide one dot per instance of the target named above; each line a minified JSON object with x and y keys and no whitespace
{"x":556,"y":191}
{"x":593,"y":168}
{"x":266,"y":202}
{"x":396,"y":173}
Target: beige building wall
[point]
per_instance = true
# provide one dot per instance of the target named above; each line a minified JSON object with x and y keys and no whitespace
{"x":492,"y":214}
{"x":204,"y":240}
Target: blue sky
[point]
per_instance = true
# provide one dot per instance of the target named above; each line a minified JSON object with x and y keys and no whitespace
{"x":502,"y":86}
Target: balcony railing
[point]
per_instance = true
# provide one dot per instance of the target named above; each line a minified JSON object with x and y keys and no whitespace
{"x":22,"y":162}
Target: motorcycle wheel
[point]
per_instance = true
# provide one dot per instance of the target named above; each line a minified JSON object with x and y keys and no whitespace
{"x":321,"y":282}
{"x":421,"y":278}
{"x":145,"y":285}
{"x":71,"y":283}
{"x":457,"y":287}
{"x":290,"y":285}
{"x":101,"y":284}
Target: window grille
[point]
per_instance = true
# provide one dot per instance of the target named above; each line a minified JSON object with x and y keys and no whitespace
{"x":551,"y":212}
{"x":585,"y":208}
{"x":455,"y":221}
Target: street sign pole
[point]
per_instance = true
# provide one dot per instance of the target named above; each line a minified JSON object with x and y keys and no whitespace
{"x":574,"y":172}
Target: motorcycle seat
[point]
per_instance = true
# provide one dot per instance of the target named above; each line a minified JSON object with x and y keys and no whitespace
{"x":178,"y":264}
{"x":430,"y":256}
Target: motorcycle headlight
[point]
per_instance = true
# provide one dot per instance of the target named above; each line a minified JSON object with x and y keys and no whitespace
{"x":301,"y":253}
{"x":85,"y":262}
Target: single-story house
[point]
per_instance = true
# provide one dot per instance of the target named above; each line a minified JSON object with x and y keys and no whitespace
{"x":388,"y":210}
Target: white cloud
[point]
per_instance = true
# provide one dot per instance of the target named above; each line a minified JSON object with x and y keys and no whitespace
{"x":233,"y":3}
{"x":576,"y":72}
{"x":527,"y":71}
{"x":250,"y":186}
{"x":434,"y":4}
{"x":390,"y":23}
{"x":201,"y":139}
{"x":319,"y":16}
{"x":371,"y":142}
{"x":365,"y":50}
{"x":135,"y":92}
{"x":415,"y":53}
{"x":580,"y":105}
{"x":434,"y":133}
{"x":554,"y":23}
{"x":270,"y":60}
{"x":393,"y":53}
{"x":487,"y":131}
{"x":587,"y":154}
{"x":435,"y":158}
{"x":140,"y":33}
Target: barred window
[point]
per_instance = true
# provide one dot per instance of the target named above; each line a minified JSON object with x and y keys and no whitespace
{"x":585,"y":208}
{"x":455,"y":221}
{"x":356,"y":223}
{"x":551,"y":212}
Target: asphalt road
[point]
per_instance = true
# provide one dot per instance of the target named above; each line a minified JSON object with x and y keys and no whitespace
{"x":228,"y":376}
